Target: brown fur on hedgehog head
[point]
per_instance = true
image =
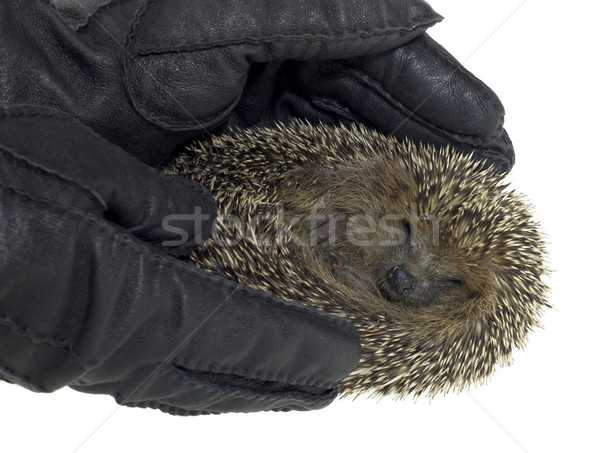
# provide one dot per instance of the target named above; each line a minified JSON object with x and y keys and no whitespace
{"x":437,"y":264}
{"x":376,"y":236}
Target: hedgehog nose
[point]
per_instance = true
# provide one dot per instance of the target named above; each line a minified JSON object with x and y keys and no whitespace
{"x":400,"y":280}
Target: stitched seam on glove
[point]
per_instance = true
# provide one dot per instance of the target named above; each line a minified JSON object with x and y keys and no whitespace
{"x":309,"y":37}
{"x":44,"y":172}
{"x":194,"y":383}
{"x":18,"y":111}
{"x":194,"y":125}
{"x":216,"y":389}
{"x":126,"y":241}
{"x":245,"y":373}
{"x":37,"y":338}
{"x":188,"y":47}
{"x":172,"y":410}
{"x":220,"y":389}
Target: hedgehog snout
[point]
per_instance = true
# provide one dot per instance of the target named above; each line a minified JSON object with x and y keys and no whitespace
{"x":401,"y":280}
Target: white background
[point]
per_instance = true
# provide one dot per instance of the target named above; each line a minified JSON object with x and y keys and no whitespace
{"x":542,"y":61}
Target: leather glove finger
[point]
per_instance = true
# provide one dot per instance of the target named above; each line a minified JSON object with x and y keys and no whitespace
{"x":197,"y":59}
{"x":83,"y":170}
{"x":86,"y":303}
{"x":417,"y":90}
{"x":173,"y":69}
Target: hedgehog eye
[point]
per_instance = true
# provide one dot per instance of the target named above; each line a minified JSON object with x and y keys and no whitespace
{"x":454,"y":281}
{"x":406,"y":229}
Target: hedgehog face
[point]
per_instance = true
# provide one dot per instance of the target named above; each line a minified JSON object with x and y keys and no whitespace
{"x":419,"y":274}
{"x":403,"y":261}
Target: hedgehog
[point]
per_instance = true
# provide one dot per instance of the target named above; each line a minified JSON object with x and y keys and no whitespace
{"x":427,"y":251}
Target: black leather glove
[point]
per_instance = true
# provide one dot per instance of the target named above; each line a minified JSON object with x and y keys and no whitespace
{"x":89,"y":299}
{"x":148,"y":75}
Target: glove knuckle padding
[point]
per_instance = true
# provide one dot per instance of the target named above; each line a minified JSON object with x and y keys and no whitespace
{"x":188,"y":61}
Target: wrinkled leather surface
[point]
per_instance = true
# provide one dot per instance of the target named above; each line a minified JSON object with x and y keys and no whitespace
{"x":205,"y":53}
{"x":78,"y":13}
{"x":148,"y":75}
{"x":87,"y":301}
{"x":453,"y":107}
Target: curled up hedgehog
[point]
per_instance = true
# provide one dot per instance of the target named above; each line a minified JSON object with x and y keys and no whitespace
{"x":425,"y":250}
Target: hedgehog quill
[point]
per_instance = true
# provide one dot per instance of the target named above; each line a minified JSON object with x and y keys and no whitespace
{"x":434,"y":259}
